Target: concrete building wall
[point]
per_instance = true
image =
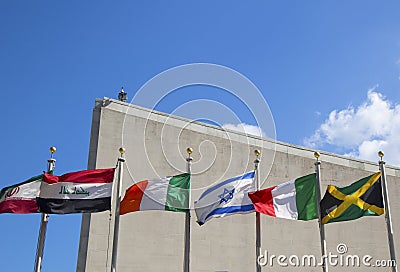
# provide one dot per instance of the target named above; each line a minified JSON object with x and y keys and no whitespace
{"x":154,"y":240}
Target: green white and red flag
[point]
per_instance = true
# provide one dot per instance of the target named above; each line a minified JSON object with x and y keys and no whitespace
{"x":21,"y":197}
{"x":294,"y":199}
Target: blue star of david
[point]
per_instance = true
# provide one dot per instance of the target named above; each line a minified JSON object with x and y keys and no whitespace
{"x":226,"y":195}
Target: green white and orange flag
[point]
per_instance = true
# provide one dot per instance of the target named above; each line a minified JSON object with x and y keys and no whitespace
{"x":21,"y":197}
{"x":167,"y":194}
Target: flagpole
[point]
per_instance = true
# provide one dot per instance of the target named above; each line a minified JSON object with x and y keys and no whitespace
{"x":121,"y":160}
{"x":186,"y":264}
{"x":258,"y":222}
{"x":321,"y":226}
{"x":44,"y":220}
{"x":387,"y":211}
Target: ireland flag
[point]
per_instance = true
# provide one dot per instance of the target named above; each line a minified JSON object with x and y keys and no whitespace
{"x":21,"y":197}
{"x":294,"y":200}
{"x":166,"y":194}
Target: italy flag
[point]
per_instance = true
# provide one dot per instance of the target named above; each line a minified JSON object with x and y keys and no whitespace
{"x":294,"y":200}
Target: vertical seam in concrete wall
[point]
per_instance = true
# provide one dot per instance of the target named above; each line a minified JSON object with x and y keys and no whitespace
{"x":92,"y":158}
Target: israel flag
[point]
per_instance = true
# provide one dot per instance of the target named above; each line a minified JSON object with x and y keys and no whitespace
{"x":226,"y":198}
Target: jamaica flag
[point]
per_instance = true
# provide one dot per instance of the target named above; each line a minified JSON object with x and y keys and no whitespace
{"x":362,"y":198}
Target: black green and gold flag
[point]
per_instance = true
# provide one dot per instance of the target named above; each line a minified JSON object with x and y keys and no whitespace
{"x":362,"y":198}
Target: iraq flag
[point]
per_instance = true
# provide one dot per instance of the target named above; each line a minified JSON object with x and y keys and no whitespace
{"x":85,"y":191}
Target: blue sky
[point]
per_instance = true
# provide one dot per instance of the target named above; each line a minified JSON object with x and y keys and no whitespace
{"x":330,"y":72}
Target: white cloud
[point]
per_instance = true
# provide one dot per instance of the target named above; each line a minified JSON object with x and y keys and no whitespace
{"x":362,"y":131}
{"x":245,"y":128}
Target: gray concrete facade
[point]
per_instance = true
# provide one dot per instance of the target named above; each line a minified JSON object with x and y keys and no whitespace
{"x":155,"y":146}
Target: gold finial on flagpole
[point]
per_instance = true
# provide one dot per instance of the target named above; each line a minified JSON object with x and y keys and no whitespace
{"x":52,"y":150}
{"x":189,"y":159}
{"x":257,"y":152}
{"x":122,"y":152}
{"x":316,"y":155}
{"x":381,"y":154}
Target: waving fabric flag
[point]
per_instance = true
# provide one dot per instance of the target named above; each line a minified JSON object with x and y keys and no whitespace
{"x":166,"y":194}
{"x":362,"y":198}
{"x":21,"y":197}
{"x":294,"y":200}
{"x":226,"y":198}
{"x":78,"y":192}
